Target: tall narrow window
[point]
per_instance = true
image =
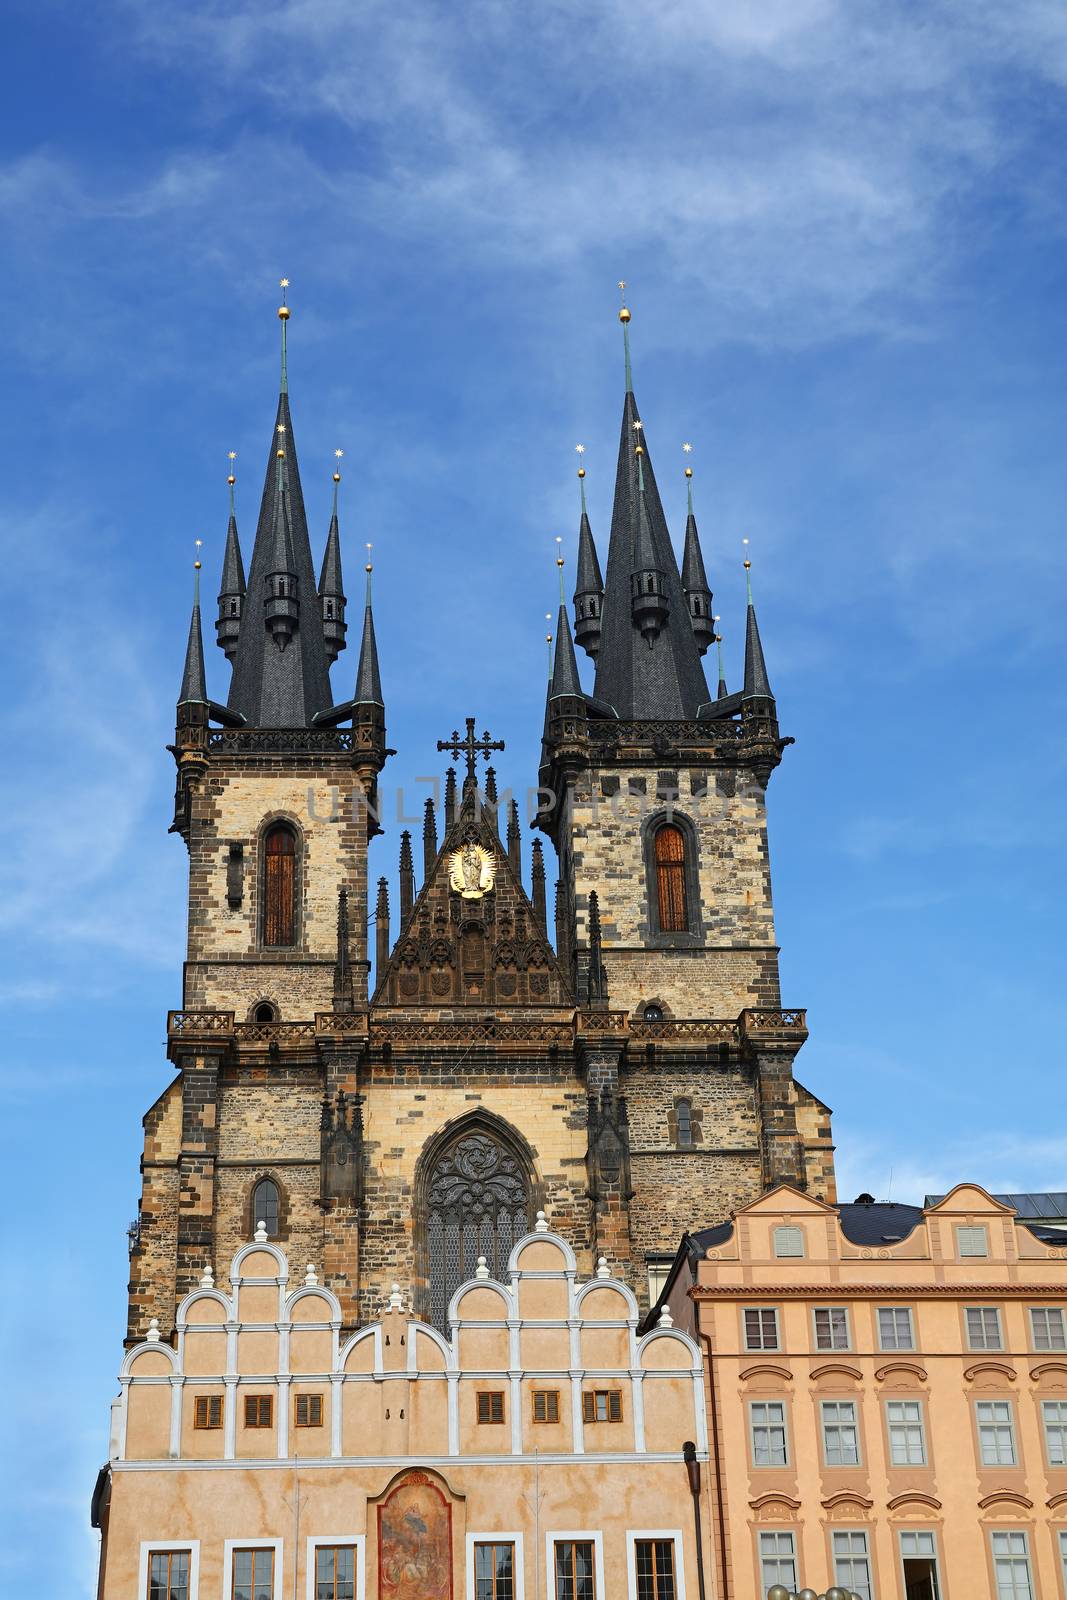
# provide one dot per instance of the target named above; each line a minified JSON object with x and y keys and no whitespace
{"x":1011,"y":1566}
{"x":168,"y":1575}
{"x":335,"y":1572}
{"x":852,"y":1562}
{"x":265,"y":1206}
{"x":253,"y":1575}
{"x":654,"y":1569}
{"x":840,"y":1436}
{"x":1054,"y":1417}
{"x":279,"y":886}
{"x":477,"y":1203}
{"x":494,"y":1572}
{"x":996,"y":1433}
{"x":683,"y":1112}
{"x":907,"y":1440}
{"x":670,"y":879}
{"x":778,"y":1560}
{"x":767,"y":1422}
{"x":575,"y":1573}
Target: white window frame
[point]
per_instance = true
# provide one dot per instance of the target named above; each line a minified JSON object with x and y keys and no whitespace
{"x":1007,"y":1533}
{"x":251,"y":1544}
{"x":849,"y":1554}
{"x":906,"y":1400}
{"x":987,"y":1348}
{"x":837,"y":1423}
{"x":830,"y":1349}
{"x":982,"y":1462}
{"x":150,"y":1547}
{"x":761,"y":1312}
{"x":909,"y":1313}
{"x":794,"y":1231}
{"x":911,"y":1533}
{"x":1061,"y":1550}
{"x":632,"y":1536}
{"x":790,"y":1534}
{"x":761,"y":1466}
{"x":969,"y":1230}
{"x":357,"y":1539}
{"x":568,"y":1536}
{"x":1046,"y":1312}
{"x":1060,"y":1422}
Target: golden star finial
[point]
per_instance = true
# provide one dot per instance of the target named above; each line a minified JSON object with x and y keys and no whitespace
{"x":638,"y":425}
{"x":369,"y":564}
{"x":280,"y":428}
{"x":338,"y":454}
{"x":196,"y":563}
{"x":688,"y":448}
{"x":580,"y":449}
{"x":622,"y":285}
{"x":283,"y":283}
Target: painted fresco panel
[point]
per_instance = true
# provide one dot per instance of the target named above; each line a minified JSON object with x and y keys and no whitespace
{"x":415,"y":1542}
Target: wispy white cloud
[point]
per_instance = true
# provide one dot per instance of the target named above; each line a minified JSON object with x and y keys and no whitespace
{"x":1006,"y":1161}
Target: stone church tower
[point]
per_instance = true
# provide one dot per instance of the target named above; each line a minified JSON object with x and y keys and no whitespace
{"x":628,"y":1076}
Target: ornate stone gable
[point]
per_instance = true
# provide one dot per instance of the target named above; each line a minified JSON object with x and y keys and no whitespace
{"x":473,"y":936}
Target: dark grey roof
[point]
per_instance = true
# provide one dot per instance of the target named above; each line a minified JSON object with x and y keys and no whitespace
{"x":565,"y":679}
{"x":194,"y":679}
{"x":589,"y":580}
{"x":233,"y":570}
{"x":1047,"y":1235}
{"x":275,"y":688}
{"x":664,"y":679}
{"x":881,"y":1222}
{"x":707,"y":1238}
{"x":757,"y":685}
{"x":694,"y":578}
{"x":1040,"y":1207}
{"x":330,"y":581}
{"x":368,"y":678}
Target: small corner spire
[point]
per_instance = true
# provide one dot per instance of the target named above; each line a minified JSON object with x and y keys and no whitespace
{"x":695,"y":586}
{"x":722,"y":691}
{"x":194,"y":679}
{"x":381,"y":930}
{"x":331,"y":584}
{"x":429,"y":840}
{"x":514,"y":839}
{"x":757,"y":684}
{"x":407,"y":877}
{"x":283,"y":317}
{"x":565,"y":677}
{"x":588,"y":594}
{"x":624,"y":318}
{"x":537,"y":880}
{"x":233,"y":588}
{"x":368,"y":677}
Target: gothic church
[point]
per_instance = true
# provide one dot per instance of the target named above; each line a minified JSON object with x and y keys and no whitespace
{"x":624,"y":1067}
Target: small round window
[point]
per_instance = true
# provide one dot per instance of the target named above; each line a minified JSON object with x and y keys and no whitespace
{"x":653,"y":1013}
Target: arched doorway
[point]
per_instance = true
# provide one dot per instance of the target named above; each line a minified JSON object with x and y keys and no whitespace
{"x":476,"y":1196}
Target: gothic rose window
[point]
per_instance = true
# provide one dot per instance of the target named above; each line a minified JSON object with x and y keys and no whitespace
{"x":477,"y":1204}
{"x":670,"y":879}
{"x":279,"y":886}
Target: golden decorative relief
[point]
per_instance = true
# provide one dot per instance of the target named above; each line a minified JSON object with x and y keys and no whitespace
{"x":471,"y":871}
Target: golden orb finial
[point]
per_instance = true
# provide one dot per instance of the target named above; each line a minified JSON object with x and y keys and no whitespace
{"x":369,"y":565}
{"x":580,"y":448}
{"x":283,"y":309}
{"x":232,"y":479}
{"x":624,"y":315}
{"x":197,"y":563}
{"x":337,"y":469}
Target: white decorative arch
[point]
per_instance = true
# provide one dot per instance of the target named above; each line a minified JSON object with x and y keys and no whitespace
{"x":570,"y":1260}
{"x":373,"y":1330}
{"x":152,"y":1347}
{"x":281,"y":1276}
{"x":609,"y":1283}
{"x":226,"y":1301}
{"x":507,"y":1295}
{"x":436,"y":1337}
{"x":322,"y":1292}
{"x":681,"y":1337}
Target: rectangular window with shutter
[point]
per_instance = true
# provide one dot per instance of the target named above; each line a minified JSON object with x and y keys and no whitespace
{"x":259,"y":1410}
{"x":602,"y":1405}
{"x":207,"y":1411}
{"x":546,"y":1405}
{"x":491,"y":1405}
{"x":308,"y":1410}
{"x":972,"y":1242}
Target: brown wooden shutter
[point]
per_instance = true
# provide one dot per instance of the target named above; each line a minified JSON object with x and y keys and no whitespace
{"x":259,"y":1410}
{"x":670,"y":879}
{"x":614,"y":1405}
{"x":491,"y":1406}
{"x":279,"y":888}
{"x":588,"y":1406}
{"x":546,"y":1405}
{"x":309,"y":1411}
{"x":208,"y":1411}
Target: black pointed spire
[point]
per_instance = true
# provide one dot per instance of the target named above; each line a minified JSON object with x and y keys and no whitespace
{"x":429,"y":841}
{"x":537,"y":879}
{"x":368,"y":678}
{"x":589,"y":586}
{"x":331,"y":585}
{"x":596,"y":989}
{"x":722,"y":691}
{"x":342,"y":977}
{"x":563,"y":943}
{"x":757,"y":684}
{"x":492,"y":804}
{"x":232,"y":590}
{"x":450,"y":798}
{"x":514,"y":840}
{"x":407,"y":877}
{"x":695,"y":585}
{"x":565,"y":679}
{"x":194,"y":679}
{"x":381,"y":924}
{"x":276,"y":687}
{"x":659,"y":675}
{"x":649,"y":603}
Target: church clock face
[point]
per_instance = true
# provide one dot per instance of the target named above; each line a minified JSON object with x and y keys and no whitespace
{"x":471,"y":871}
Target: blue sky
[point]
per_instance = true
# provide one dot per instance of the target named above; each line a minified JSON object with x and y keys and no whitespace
{"x":843,"y":227}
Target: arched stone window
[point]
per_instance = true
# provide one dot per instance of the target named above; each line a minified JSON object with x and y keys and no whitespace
{"x":266,"y":1206}
{"x":670,"y":879}
{"x":476,"y":1200}
{"x":279,"y":885}
{"x":683,"y":1112}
